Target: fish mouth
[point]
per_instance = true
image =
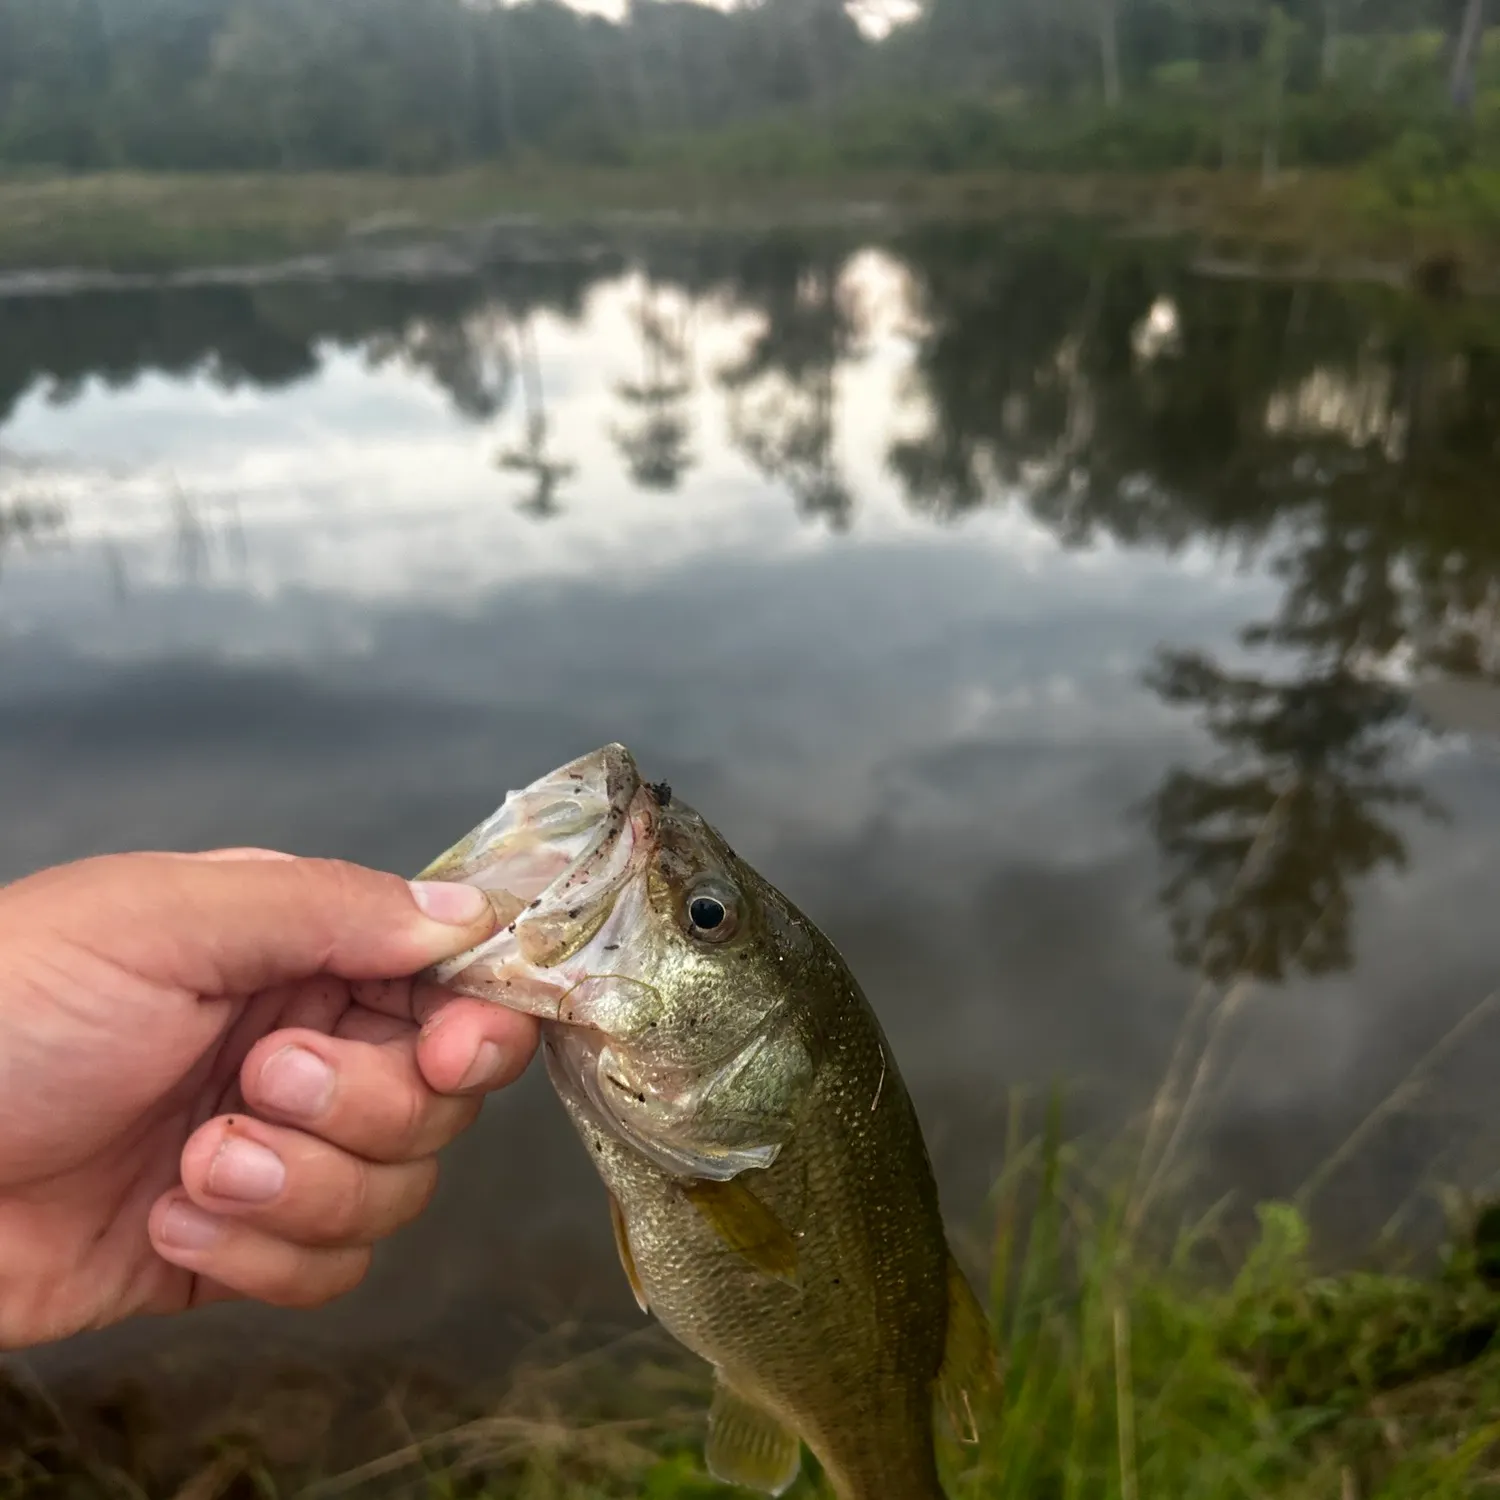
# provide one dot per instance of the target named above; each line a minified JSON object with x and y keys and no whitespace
{"x":553,"y":859}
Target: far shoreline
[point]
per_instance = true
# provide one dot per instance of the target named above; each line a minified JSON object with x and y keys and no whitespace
{"x":1318,"y":224}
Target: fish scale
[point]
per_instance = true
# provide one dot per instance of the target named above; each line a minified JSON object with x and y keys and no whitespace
{"x":849,"y":1357}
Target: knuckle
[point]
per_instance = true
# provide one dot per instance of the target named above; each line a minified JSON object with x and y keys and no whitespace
{"x":343,"y":1212}
{"x":317,"y":1277}
{"x":413,"y":1120}
{"x":353,"y":1267}
{"x":341,"y":893}
{"x":466,"y":1113}
{"x":293,"y":1291}
{"x":417,"y":1192}
{"x":324,"y":902}
{"x":446,"y":1120}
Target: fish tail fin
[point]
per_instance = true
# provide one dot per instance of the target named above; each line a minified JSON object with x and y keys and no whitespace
{"x":969,"y":1383}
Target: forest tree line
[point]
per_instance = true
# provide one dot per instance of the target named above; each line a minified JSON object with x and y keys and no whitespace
{"x":420,"y":85}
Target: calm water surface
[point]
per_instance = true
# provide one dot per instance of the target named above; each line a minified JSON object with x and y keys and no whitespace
{"x":1025,"y":607}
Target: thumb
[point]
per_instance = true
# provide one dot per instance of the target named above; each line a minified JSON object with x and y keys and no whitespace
{"x":240,"y":921}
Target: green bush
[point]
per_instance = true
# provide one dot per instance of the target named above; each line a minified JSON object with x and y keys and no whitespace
{"x":1343,"y":127}
{"x":1175,"y":125}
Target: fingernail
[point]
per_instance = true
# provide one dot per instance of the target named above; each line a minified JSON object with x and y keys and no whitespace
{"x":485,"y":1068}
{"x":297,"y":1082}
{"x":185,"y":1226}
{"x":246,"y":1170}
{"x":446,"y":901}
{"x":242,"y":854}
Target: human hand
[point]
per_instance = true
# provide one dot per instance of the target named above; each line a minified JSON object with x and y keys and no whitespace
{"x":218,"y":1079}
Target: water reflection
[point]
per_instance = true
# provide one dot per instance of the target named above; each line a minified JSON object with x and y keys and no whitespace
{"x":471,"y":356}
{"x":654,"y":445}
{"x":1264,"y":848}
{"x":1033,"y":608}
{"x":1341,"y":439}
{"x":30,"y":516}
{"x":532,"y":457}
{"x":783,"y":401}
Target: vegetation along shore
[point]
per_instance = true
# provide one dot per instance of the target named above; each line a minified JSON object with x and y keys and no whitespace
{"x":151,"y":134}
{"x":1133,"y":1366}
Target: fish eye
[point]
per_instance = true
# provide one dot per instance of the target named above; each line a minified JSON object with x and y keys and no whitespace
{"x":707,"y":912}
{"x":711,"y":912}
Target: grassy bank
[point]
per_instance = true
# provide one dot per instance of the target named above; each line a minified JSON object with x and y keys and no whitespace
{"x":1129,"y":1372}
{"x":133,"y":222}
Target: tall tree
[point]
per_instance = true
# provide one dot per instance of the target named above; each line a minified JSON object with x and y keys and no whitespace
{"x":1463,"y":77}
{"x":1108,"y":20}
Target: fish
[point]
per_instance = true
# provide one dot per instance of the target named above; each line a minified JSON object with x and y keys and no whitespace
{"x":773,"y":1202}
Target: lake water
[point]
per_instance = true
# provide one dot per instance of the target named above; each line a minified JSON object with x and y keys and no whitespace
{"x":1025,"y":605}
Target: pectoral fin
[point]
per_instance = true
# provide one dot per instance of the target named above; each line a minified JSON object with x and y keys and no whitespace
{"x":745,"y":1225}
{"x":748,"y":1446}
{"x":970,"y":1377}
{"x":627,"y":1260}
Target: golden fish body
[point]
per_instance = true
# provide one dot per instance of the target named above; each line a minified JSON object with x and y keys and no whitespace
{"x":772,"y":1196}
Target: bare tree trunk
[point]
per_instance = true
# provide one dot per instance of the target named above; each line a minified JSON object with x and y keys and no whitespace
{"x":1109,"y":49}
{"x":1270,"y":154}
{"x":1330,"y":39}
{"x":1277,"y":53}
{"x":1463,"y":82}
{"x":1231,"y":139}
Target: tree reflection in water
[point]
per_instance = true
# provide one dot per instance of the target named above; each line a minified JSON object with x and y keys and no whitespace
{"x":1262,"y":849}
{"x":783,"y":392}
{"x":532,"y":457}
{"x":656,"y":449}
{"x":1346,"y":436}
{"x":30,"y":516}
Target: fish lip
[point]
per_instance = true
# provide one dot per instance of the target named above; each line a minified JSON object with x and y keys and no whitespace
{"x":612,"y":765}
{"x":608,"y":776}
{"x":616,"y":765}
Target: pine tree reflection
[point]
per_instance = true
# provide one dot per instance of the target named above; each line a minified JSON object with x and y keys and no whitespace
{"x":656,"y":448}
{"x":783,"y":401}
{"x":1264,"y":848}
{"x":546,"y":471}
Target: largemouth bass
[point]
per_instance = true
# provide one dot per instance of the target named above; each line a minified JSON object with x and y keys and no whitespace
{"x":772,"y":1198}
